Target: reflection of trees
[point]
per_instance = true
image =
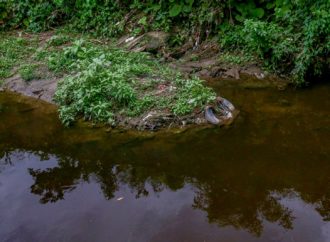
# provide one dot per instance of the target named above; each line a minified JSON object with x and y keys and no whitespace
{"x":5,"y":158}
{"x":241,"y":209}
{"x":323,"y":207}
{"x":236,"y":204}
{"x":107,"y":179}
{"x":52,"y":183}
{"x":235,"y":194}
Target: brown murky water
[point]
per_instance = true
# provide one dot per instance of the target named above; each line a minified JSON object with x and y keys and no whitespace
{"x":266,"y":178}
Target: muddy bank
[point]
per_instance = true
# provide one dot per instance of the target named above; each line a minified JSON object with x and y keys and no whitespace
{"x":202,"y":61}
{"x":205,"y":60}
{"x":43,"y":89}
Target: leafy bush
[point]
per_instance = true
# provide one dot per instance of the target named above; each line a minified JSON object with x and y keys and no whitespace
{"x":192,"y":93}
{"x":295,"y":42}
{"x":291,"y":37}
{"x":34,"y":15}
{"x":105,"y":82}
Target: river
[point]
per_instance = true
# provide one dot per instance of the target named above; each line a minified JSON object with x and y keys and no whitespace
{"x":265,"y":178}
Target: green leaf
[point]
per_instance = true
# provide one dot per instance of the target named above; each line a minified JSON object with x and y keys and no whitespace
{"x":143,"y":21}
{"x":258,"y":13}
{"x":239,"y":18}
{"x":175,"y":10}
{"x":187,"y":8}
{"x":270,"y":5}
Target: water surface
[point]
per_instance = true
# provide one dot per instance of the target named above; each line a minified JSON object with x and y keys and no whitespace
{"x":266,"y":178}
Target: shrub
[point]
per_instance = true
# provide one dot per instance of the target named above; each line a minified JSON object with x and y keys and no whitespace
{"x":105,"y":82}
{"x":291,"y":37}
{"x":296,"y":42}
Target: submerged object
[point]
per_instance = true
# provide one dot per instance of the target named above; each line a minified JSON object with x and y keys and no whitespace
{"x":224,"y":112}
{"x":210,"y":116}
{"x":224,"y":104}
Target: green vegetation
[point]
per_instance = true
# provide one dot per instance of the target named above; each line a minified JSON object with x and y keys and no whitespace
{"x":289,"y":37}
{"x":286,"y":46}
{"x":106,"y":81}
{"x":30,"y":72}
{"x":236,"y":58}
{"x":102,"y":83}
{"x":105,"y":84}
{"x":13,"y":51}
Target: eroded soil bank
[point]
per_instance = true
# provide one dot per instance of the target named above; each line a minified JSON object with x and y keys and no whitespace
{"x":203,"y":61}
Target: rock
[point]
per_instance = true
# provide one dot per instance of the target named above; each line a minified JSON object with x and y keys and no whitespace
{"x":132,"y":42}
{"x":216,"y":71}
{"x":155,"y":120}
{"x":151,"y":41}
{"x":260,"y":75}
{"x":233,"y":73}
{"x":41,"y":89}
{"x":182,"y":68}
{"x":156,"y":40}
{"x":254,"y":70}
{"x":203,"y":72}
{"x":206,"y":63}
{"x":139,"y":49}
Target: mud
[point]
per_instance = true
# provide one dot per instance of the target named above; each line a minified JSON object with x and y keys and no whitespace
{"x":43,"y":89}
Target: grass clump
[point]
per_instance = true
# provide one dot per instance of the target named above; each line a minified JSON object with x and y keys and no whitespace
{"x":105,"y":83}
{"x":13,"y":51}
{"x":30,"y":72}
{"x":191,"y":94}
{"x":58,"y":40}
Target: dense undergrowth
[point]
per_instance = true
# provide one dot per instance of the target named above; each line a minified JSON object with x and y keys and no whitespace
{"x":289,"y":37}
{"x":105,"y":82}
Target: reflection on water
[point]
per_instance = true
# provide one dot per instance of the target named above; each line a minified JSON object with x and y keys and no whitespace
{"x":267,"y":178}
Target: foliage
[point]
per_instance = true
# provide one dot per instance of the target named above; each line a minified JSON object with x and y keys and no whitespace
{"x":191,"y":94}
{"x":290,"y":37}
{"x":296,"y":41}
{"x":58,"y":40}
{"x":34,"y":15}
{"x":13,"y":50}
{"x":236,"y":58}
{"x":105,"y":82}
{"x":29,"y":72}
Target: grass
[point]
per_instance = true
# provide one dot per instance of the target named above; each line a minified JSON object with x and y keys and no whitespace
{"x":14,"y":51}
{"x":30,"y":72}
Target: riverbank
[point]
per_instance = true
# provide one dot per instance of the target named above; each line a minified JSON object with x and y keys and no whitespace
{"x":131,"y":82}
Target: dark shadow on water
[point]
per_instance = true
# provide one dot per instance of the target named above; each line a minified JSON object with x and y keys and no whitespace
{"x":242,"y":177}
